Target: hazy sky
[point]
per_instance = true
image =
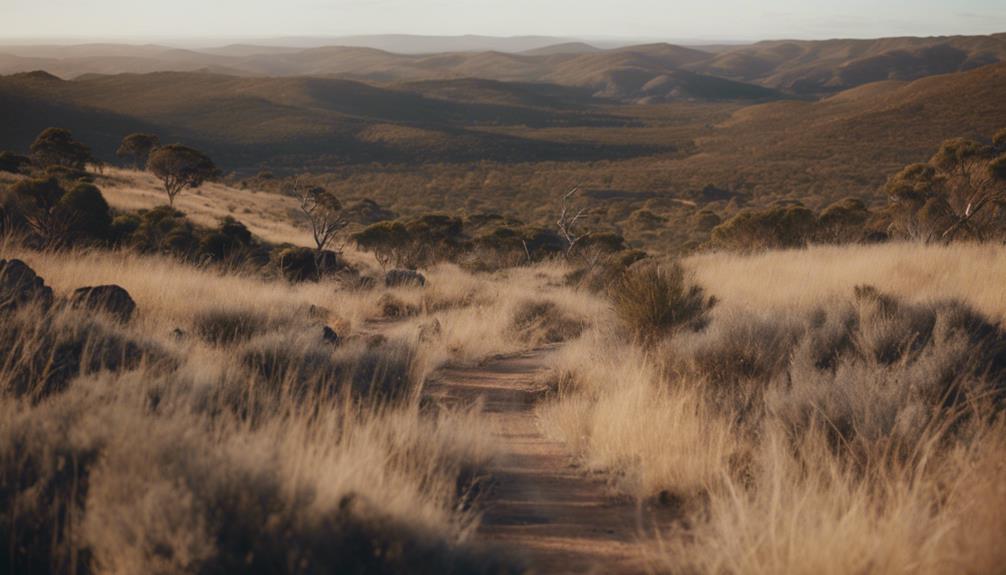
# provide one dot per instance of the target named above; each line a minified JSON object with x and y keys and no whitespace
{"x":710,"y":19}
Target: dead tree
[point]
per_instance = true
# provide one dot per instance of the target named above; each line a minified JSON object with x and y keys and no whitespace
{"x":567,"y":223}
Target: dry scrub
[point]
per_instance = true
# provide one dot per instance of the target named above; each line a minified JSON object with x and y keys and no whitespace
{"x":817,"y":424}
{"x":219,"y":431}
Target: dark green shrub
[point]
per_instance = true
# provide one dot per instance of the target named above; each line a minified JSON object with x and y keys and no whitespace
{"x":56,"y":147}
{"x":540,"y":322}
{"x":13,"y":163}
{"x":779,"y":227}
{"x":227,"y":326}
{"x":655,"y":300}
{"x":123,"y":227}
{"x":87,"y":213}
{"x":842,"y":222}
{"x":229,"y":241}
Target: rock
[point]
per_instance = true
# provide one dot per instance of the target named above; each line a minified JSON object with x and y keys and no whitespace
{"x":110,"y":299}
{"x":20,"y":285}
{"x":404,"y":278}
{"x":328,"y":334}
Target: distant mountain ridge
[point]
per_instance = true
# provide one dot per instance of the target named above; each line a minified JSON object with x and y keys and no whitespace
{"x":643,"y":73}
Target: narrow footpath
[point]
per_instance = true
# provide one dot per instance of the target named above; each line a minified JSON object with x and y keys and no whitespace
{"x":540,"y":506}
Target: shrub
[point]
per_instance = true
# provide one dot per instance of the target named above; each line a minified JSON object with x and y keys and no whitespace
{"x":13,"y":163}
{"x":230,"y":240}
{"x":957,"y":193}
{"x":655,"y":300}
{"x":229,"y":326}
{"x":393,"y":307}
{"x":56,"y":147}
{"x":842,"y":222}
{"x":46,"y":350}
{"x":300,"y":264}
{"x":538,"y":322}
{"x":778,"y":227}
{"x":87,"y":213}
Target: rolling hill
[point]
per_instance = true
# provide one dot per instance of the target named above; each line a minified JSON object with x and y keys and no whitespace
{"x":833,"y":65}
{"x":244,"y":121}
{"x":619,"y":73}
{"x":642,"y":73}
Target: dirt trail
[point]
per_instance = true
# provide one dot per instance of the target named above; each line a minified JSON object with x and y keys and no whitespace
{"x":540,"y":506}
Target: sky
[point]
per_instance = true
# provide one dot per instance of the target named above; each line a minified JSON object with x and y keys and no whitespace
{"x":651,"y":19}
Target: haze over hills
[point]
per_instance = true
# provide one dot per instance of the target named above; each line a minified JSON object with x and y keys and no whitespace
{"x":653,"y":72}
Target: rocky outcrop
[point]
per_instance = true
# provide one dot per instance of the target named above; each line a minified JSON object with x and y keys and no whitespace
{"x":110,"y":299}
{"x":20,"y":286}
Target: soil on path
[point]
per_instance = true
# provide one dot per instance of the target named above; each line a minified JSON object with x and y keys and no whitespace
{"x":540,"y":506}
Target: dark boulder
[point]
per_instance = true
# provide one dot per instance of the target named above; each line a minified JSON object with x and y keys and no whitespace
{"x":110,"y":299}
{"x":330,"y":336}
{"x":20,"y":285}
{"x":401,"y":278}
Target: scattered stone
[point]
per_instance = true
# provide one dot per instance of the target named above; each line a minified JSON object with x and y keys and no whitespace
{"x":110,"y":299}
{"x":20,"y":285}
{"x":328,"y":334}
{"x":404,"y":278}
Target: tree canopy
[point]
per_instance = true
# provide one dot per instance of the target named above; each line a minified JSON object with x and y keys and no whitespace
{"x":960,"y":191}
{"x":180,"y":167}
{"x":138,"y":146}
{"x":56,"y":147}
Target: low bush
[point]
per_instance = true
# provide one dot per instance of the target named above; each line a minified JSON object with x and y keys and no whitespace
{"x":45,"y":350}
{"x":229,"y":326}
{"x":654,"y":300}
{"x":539,"y":322}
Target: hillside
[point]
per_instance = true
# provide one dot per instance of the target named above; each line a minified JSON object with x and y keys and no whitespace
{"x":290,"y":121}
{"x":793,"y":67}
{"x":835,"y":65}
{"x":619,"y":73}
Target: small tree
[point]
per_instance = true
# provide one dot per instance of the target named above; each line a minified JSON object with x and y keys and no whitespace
{"x":179,"y":167}
{"x":389,"y":241}
{"x":56,"y":147}
{"x":323,"y":211}
{"x":138,"y":146}
{"x":961,"y":190}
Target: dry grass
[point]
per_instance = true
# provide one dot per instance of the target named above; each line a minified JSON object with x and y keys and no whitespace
{"x":802,"y":279}
{"x":272,"y":217}
{"x":811,"y":427}
{"x":257,"y":453}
